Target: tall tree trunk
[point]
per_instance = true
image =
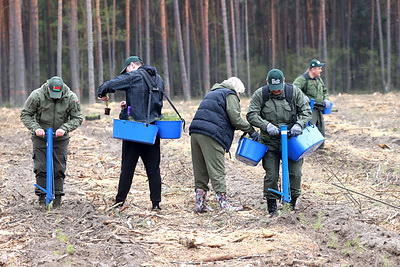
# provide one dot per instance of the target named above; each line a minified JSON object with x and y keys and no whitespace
{"x":12,"y":55}
{"x":51,"y":71}
{"x":388,"y":52}
{"x":35,"y":43}
{"x":187,"y":41}
{"x":74,"y":49}
{"x":235,"y":71}
{"x":273,"y":34}
{"x":297,"y":37}
{"x":4,"y":52}
{"x":91,"y":87}
{"x":19,"y":93}
{"x":59,"y":37}
{"x":246,"y":19}
{"x":239,"y":38}
{"x":206,"y":48}
{"x":147,"y":30}
{"x":139,"y":28}
{"x":226,"y":39}
{"x":109,"y":48}
{"x":311,"y":30}
{"x":100,"y":68}
{"x":348,"y":48}
{"x":381,"y":52}
{"x":164,"y":46}
{"x":128,"y":29}
{"x":371,"y":41}
{"x":324,"y":42}
{"x":185,"y":86}
{"x":113,"y":34}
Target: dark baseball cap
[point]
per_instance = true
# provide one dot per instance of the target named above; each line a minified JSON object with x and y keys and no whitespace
{"x":316,"y":63}
{"x":275,"y":79}
{"x":129,"y":60}
{"x":56,"y":85}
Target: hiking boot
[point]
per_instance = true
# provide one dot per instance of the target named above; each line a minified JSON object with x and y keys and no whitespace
{"x":272,"y":207}
{"x":42,"y":200}
{"x":293,"y":203}
{"x":222,"y":199}
{"x":201,"y":198}
{"x":57,"y":201}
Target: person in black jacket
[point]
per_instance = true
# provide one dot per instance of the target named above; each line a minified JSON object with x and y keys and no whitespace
{"x":131,"y":80}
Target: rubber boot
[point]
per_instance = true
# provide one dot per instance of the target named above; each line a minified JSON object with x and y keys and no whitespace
{"x":293,"y":203}
{"x":201,"y":198}
{"x":272,"y":207}
{"x":222,"y":199}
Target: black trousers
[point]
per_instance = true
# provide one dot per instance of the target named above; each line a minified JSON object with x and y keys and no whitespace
{"x":150,"y":155}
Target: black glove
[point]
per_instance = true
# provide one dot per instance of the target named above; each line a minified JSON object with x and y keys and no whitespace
{"x":272,"y":129}
{"x":296,"y":130}
{"x":255,"y":136}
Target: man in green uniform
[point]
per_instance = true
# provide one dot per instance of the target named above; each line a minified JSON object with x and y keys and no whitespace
{"x":53,"y":105}
{"x":270,"y":108}
{"x":212,"y":132}
{"x":313,"y":87}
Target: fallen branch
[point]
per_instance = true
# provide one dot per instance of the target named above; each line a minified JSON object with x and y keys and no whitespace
{"x":220,"y":258}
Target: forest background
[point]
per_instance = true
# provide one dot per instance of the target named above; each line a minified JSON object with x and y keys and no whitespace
{"x":194,"y":44}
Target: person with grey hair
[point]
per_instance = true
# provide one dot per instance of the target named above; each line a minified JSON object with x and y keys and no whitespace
{"x":212,"y":131}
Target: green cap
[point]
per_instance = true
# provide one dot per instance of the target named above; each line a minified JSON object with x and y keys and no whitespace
{"x":275,"y":79}
{"x":55,"y":87}
{"x":316,"y":63}
{"x":129,"y":60}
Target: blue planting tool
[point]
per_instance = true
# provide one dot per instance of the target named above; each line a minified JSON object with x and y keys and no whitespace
{"x":285,"y":167}
{"x":49,"y":168}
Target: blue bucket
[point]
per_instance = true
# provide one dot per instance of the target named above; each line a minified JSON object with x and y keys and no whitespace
{"x":169,"y":129}
{"x":305,"y":144}
{"x":135,"y":131}
{"x":327,"y":110}
{"x":250,"y":151}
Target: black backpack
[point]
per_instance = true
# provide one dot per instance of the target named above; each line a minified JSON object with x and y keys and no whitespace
{"x":288,"y":97}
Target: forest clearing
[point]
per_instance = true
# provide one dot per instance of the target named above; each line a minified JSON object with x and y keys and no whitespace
{"x":331,"y":226}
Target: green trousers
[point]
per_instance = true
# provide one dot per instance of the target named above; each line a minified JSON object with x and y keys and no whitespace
{"x":208,"y":158}
{"x":318,"y":120}
{"x":271,"y":164}
{"x":60,"y":152}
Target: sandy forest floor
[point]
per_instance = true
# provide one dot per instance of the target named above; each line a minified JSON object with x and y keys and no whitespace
{"x":331,"y":227}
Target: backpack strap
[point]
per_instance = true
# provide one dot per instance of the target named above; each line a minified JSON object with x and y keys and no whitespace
{"x":265,"y":93}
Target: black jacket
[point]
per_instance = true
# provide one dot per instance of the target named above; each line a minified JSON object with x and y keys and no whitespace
{"x":137,"y":93}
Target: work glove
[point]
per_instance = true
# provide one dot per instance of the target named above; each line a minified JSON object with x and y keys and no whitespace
{"x":255,"y":136}
{"x":296,"y":130}
{"x":327,"y":104}
{"x":306,"y":99}
{"x":272,"y":129}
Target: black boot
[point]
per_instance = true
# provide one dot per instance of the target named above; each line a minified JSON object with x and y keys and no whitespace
{"x":272,"y":207}
{"x":57,"y":201}
{"x":293,"y":203}
{"x":42,"y":200}
{"x":156,"y":205}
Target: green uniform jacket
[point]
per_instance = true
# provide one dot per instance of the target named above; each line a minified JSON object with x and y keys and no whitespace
{"x":315,"y":88}
{"x":278,"y":112}
{"x":40,"y":111}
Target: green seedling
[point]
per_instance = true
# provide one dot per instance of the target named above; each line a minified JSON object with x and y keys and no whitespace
{"x":62,"y":237}
{"x":70,"y":249}
{"x":318,"y":223}
{"x":333,"y":241}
